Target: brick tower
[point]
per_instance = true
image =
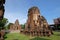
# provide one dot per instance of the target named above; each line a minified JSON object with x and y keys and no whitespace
{"x":36,"y":24}
{"x":15,"y":27}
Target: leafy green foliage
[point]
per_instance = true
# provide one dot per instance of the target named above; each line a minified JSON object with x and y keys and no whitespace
{"x":3,"y":23}
{"x":9,"y":25}
{"x":23,"y":26}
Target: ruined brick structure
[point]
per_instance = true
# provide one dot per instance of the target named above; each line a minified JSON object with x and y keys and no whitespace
{"x":2,"y":2}
{"x":57,"y":23}
{"x":36,"y":24}
{"x":15,"y":26}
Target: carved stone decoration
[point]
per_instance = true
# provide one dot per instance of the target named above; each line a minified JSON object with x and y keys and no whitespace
{"x":36,"y":24}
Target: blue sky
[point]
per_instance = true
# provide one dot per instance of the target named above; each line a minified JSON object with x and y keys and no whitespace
{"x":18,"y":9}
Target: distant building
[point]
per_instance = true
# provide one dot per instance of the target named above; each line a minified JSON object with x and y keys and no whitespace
{"x":15,"y":26}
{"x":57,"y":23}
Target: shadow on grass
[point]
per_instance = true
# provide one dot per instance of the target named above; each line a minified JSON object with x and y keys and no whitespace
{"x":57,"y":34}
{"x":5,"y":36}
{"x":38,"y":38}
{"x":15,"y":39}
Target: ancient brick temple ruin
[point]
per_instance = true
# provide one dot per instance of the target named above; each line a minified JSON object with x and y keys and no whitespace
{"x":57,"y":23}
{"x":36,"y":24}
{"x":2,"y":2}
{"x":15,"y":26}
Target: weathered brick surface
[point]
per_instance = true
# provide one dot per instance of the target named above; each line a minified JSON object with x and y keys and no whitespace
{"x":15,"y":26}
{"x":36,"y":24}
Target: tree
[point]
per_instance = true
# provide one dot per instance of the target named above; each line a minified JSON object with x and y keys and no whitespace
{"x":23,"y":26}
{"x":3,"y":23}
{"x":9,"y":25}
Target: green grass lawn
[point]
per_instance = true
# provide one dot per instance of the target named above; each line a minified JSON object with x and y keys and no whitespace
{"x":18,"y":36}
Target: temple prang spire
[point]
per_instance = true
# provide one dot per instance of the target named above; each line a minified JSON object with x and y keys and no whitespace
{"x":36,"y":24}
